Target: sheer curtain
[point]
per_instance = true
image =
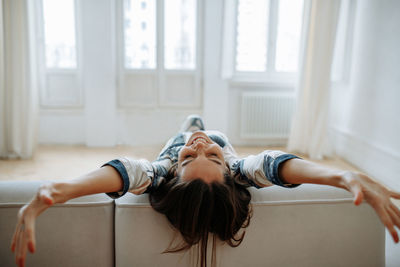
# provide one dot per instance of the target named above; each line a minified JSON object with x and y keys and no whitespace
{"x":18,"y":96}
{"x":310,"y":122}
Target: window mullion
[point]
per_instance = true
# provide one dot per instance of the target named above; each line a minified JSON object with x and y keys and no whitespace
{"x":79,"y":48}
{"x":160,"y":73}
{"x":60,"y":85}
{"x":235,"y":41}
{"x":120,"y":51}
{"x":160,"y":35}
{"x":272,"y":34}
{"x":199,"y":48}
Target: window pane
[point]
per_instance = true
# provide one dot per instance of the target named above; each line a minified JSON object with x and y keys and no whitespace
{"x":140,"y":34}
{"x":59,"y":33}
{"x":251,"y":47}
{"x":288,"y":35}
{"x":180,"y":34}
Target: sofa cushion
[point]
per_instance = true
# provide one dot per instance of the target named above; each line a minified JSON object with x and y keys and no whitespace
{"x":77,"y":233}
{"x":310,"y":225}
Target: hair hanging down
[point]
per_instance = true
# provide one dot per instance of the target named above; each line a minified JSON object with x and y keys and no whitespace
{"x":196,"y":209}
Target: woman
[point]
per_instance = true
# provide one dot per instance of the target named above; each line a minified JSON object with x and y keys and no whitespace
{"x":199,"y":183}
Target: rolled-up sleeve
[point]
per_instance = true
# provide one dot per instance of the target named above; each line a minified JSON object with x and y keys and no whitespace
{"x":262,"y":170}
{"x":136,"y":175}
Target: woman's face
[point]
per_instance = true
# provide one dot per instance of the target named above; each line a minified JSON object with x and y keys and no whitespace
{"x":201,"y":158}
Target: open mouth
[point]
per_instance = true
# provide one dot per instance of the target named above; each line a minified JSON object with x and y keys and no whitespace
{"x":199,"y":139}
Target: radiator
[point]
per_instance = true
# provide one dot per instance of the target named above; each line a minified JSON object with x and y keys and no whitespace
{"x":266,"y":115}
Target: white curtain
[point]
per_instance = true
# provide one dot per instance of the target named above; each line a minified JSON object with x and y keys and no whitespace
{"x":310,"y":121}
{"x":18,"y":96}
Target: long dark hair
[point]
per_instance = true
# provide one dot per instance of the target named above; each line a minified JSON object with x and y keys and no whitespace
{"x":196,"y":209}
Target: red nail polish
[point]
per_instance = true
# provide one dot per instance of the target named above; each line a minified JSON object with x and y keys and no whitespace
{"x":31,"y":248}
{"x":49,"y":201}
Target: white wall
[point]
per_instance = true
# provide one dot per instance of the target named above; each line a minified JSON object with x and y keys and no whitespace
{"x":215,"y":89}
{"x":366,"y":109}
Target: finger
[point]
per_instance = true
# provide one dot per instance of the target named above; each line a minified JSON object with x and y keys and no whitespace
{"x":395,"y":194}
{"x":18,"y":246}
{"x":394,"y":217}
{"x":20,"y":225}
{"x":395,"y":209}
{"x":15,"y":236}
{"x":22,"y":249}
{"x":46,"y":197}
{"x":358,"y":194}
{"x":18,"y":240}
{"x":30,"y":231}
{"x":386,"y":220}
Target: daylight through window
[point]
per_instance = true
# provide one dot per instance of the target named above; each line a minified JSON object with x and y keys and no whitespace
{"x":268,"y":35}
{"x":59,"y":33}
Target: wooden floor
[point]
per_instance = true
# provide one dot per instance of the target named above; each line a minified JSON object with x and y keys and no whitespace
{"x":53,"y":162}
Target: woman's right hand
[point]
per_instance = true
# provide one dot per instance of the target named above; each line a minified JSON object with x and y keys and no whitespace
{"x":105,"y":179}
{"x":24,"y":235}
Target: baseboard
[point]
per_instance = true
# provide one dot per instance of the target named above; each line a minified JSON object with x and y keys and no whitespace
{"x":379,"y":162}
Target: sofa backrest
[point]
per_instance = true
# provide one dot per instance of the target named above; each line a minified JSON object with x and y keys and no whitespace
{"x":307,"y":226}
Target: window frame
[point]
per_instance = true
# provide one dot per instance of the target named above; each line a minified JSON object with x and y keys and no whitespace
{"x":47,"y":101}
{"x":160,"y":73}
{"x":268,"y":77}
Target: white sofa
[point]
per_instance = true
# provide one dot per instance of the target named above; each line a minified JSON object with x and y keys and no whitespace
{"x":306,"y":226}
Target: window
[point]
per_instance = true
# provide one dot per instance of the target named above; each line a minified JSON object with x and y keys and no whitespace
{"x":288,"y":35}
{"x":178,"y":31}
{"x":140,"y":34}
{"x":251,"y":44}
{"x":59,"y":34}
{"x":180,"y":34}
{"x":266,"y":37}
{"x":159,"y":44}
{"x":60,"y":82}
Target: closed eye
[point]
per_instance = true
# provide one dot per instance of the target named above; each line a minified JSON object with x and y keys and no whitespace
{"x":188,"y":161}
{"x":216,"y":161}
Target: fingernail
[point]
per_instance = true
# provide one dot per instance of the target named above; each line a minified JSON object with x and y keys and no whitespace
{"x":31,"y":247}
{"x":49,"y":201}
{"x":12,"y":247}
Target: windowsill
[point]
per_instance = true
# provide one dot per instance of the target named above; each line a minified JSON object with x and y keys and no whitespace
{"x":260,"y":80}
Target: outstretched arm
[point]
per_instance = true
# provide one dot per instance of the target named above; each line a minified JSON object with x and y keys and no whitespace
{"x":297,"y":171}
{"x":103,"y":180}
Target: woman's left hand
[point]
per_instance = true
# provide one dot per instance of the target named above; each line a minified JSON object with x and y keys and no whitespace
{"x":378,"y":196}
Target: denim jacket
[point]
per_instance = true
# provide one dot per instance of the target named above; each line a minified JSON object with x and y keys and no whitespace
{"x":141,"y":176}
